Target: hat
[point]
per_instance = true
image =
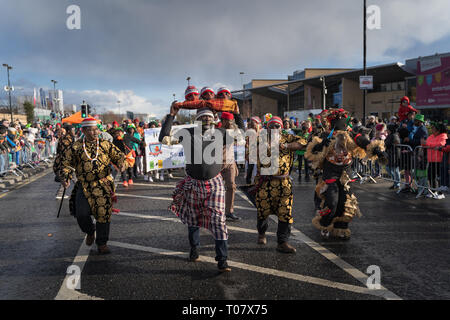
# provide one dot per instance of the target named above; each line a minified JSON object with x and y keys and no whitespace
{"x":89,"y":122}
{"x":379,"y":127}
{"x":223,"y":89}
{"x":190,"y":90}
{"x":115,"y":123}
{"x":393,"y":118}
{"x":256,"y":119}
{"x":227,"y":116}
{"x":275,"y":119}
{"x":136,"y":120}
{"x":371,"y":117}
{"x":206,"y":89}
{"x":420,"y":117}
{"x":204,"y":112}
{"x":131,"y":126}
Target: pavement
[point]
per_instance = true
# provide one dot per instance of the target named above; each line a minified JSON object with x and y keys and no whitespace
{"x":45,"y":258}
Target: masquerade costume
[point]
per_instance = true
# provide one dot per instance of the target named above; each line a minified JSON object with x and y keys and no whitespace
{"x":333,"y":152}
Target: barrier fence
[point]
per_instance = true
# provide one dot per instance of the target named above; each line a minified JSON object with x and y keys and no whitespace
{"x":27,"y":155}
{"x":423,"y":170}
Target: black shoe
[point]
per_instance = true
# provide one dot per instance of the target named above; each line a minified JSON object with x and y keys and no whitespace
{"x":193,"y":255}
{"x":223,"y":266}
{"x":393,"y":187}
{"x":232,"y":217}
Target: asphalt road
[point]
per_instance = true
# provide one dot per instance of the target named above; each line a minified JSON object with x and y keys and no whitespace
{"x":407,"y":239}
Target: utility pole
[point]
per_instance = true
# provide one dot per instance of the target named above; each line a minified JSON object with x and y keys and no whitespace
{"x":188,"y":80}
{"x":119,"y":107}
{"x":324,"y":93}
{"x":8,"y":67}
{"x":243,"y":89}
{"x":365,"y":65}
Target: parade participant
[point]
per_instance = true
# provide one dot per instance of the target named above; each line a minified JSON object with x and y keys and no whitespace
{"x":230,"y":170}
{"x":404,"y":109}
{"x":301,"y":153}
{"x":255,"y":125}
{"x":207,"y":93}
{"x":274,"y":192}
{"x":191,"y":93}
{"x":199,"y":199}
{"x":91,"y":157}
{"x":64,"y":143}
{"x":333,"y":152}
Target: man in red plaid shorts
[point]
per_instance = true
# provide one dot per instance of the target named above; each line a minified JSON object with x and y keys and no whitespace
{"x":199,"y":199}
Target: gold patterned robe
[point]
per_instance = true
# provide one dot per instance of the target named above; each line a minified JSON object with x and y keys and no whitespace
{"x":274,"y":195}
{"x":64,"y":143}
{"x":93,"y":176}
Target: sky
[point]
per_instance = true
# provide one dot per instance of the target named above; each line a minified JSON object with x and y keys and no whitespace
{"x":140,"y":52}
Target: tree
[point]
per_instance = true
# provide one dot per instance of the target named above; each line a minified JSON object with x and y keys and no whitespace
{"x":29,"y":111}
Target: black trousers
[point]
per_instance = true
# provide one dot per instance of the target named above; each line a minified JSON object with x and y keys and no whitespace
{"x":283,"y":231}
{"x":84,"y":219}
{"x":248,"y":178}
{"x":335,"y":197}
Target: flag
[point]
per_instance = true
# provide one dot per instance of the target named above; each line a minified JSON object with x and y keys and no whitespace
{"x":34,"y":97}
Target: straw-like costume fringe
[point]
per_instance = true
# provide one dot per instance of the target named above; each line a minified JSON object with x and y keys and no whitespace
{"x":370,"y":149}
{"x":339,"y":233}
{"x":316,"y":158}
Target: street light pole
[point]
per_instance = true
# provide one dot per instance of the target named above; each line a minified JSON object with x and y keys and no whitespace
{"x":54,"y":95}
{"x":365,"y":55}
{"x":243,"y":89}
{"x":189,"y":81}
{"x":8,"y":67}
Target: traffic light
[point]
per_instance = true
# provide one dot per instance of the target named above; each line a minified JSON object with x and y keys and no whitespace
{"x":84,"y":110}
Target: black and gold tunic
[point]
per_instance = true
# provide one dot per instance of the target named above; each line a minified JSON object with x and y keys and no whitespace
{"x":94,"y":176}
{"x":274,"y":194}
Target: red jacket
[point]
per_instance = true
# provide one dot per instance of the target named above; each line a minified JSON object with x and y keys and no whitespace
{"x":403,"y":111}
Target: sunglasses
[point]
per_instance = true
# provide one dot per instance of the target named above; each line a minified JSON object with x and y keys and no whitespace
{"x":275,"y":126}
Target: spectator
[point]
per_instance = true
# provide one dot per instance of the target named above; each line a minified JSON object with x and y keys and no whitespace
{"x":371,"y":125}
{"x":436,"y":140}
{"x":404,"y":109}
{"x":393,"y":152}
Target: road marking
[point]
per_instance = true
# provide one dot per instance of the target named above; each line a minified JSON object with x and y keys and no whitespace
{"x":169,"y":199}
{"x":80,"y":259}
{"x":137,"y":215}
{"x":267,"y":271}
{"x":355,"y":273}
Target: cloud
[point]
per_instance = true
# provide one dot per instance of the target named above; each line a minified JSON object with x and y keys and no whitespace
{"x":108,"y":101}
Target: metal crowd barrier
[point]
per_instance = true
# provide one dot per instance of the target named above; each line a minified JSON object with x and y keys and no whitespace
{"x":28,"y":156}
{"x":423,"y":169}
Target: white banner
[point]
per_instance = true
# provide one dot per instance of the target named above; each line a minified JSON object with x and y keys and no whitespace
{"x":159,"y":156}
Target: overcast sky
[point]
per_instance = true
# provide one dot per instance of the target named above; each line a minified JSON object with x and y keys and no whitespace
{"x":141,"y":51}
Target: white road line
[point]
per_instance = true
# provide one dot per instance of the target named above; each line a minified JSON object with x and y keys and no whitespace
{"x":267,"y":271}
{"x":80,"y":260}
{"x":169,"y":199}
{"x":358,"y":275}
{"x":137,"y":215}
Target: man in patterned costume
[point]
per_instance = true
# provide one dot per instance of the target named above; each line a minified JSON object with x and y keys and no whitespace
{"x":90,"y":158}
{"x":64,"y":143}
{"x":333,"y":152}
{"x":274,"y":192}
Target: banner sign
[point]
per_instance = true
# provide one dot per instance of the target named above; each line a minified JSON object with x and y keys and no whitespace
{"x":160,"y":156}
{"x":433,"y":82}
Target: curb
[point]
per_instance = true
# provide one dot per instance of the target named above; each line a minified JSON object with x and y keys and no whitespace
{"x":13,"y":180}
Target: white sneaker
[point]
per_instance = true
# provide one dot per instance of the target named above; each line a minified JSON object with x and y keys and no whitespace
{"x":161,"y":177}
{"x":171,"y":176}
{"x":150,"y":179}
{"x":156,"y":175}
{"x":439,"y":196}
